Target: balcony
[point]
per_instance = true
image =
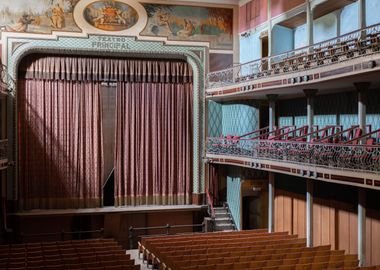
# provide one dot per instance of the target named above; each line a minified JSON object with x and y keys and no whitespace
{"x":3,"y":154}
{"x":345,"y":162}
{"x":302,"y":65}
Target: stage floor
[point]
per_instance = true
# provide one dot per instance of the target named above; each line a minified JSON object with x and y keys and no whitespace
{"x":110,"y":209}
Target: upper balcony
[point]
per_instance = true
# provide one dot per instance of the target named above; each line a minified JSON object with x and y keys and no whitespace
{"x":349,"y":55}
{"x":329,"y":154}
{"x":3,"y":154}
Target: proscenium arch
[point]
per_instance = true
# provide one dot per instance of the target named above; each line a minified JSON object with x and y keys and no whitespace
{"x":195,"y":56}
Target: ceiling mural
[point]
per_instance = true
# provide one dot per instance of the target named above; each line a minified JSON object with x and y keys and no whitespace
{"x":37,"y":16}
{"x":190,"y":23}
{"x":120,"y":17}
{"x":110,"y":15}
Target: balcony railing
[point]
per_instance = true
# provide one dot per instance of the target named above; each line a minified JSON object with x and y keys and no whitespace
{"x":364,"y":158}
{"x":3,"y":149}
{"x":349,"y":46}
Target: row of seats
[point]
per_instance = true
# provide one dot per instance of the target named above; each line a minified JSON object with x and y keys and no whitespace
{"x":93,"y":254}
{"x":327,"y":134}
{"x":255,"y":249}
{"x":319,"y":55}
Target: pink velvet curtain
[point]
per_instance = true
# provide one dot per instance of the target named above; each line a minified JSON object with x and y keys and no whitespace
{"x":60,"y":144}
{"x":153,"y":163}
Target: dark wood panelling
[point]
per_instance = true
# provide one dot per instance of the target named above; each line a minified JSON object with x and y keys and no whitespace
{"x":294,"y":21}
{"x":330,"y":6}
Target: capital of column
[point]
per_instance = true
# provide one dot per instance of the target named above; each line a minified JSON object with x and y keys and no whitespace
{"x":362,"y":86}
{"x":272,"y":97}
{"x":310,"y":92}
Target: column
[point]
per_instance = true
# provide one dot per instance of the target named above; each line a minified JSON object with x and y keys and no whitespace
{"x":362,"y":87}
{"x":338,"y":14}
{"x":310,"y":94}
{"x":362,"y":12}
{"x":272,"y":111}
{"x":271,"y":203}
{"x":309,"y":23}
{"x":309,"y":212}
{"x":361,"y":226}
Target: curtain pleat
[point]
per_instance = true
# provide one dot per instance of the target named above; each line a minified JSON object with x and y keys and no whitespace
{"x":60,"y":144}
{"x":153,"y":154}
{"x":50,"y":67}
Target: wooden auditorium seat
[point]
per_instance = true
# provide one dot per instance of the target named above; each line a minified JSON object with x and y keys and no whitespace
{"x":248,"y":250}
{"x":92,"y":254}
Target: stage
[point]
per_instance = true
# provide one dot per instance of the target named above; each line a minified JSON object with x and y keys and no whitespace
{"x":110,"y":210}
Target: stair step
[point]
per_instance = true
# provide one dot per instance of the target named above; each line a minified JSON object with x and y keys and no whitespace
{"x":223,"y":219}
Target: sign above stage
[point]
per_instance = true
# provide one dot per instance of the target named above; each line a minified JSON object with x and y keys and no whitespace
{"x":110,"y":43}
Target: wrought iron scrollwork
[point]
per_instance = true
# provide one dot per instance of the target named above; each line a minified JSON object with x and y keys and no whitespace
{"x":339,"y":156}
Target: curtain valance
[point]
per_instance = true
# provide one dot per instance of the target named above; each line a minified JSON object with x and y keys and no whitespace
{"x":79,"y":68}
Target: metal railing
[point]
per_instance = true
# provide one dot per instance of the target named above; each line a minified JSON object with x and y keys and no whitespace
{"x":351,"y":45}
{"x":166,"y":231}
{"x":210,"y":205}
{"x":364,"y":158}
{"x":3,"y":149}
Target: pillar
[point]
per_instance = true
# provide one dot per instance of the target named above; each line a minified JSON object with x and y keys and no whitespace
{"x":309,"y":23}
{"x":271,"y":203}
{"x":309,"y":212}
{"x":362,"y":87}
{"x":362,"y":12}
{"x":310,"y":94}
{"x":272,"y":111}
{"x":361,"y":226}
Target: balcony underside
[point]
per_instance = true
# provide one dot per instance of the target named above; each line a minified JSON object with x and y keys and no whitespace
{"x":322,"y":173}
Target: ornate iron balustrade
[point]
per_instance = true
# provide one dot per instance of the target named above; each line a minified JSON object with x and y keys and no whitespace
{"x":3,"y":149}
{"x":7,"y":84}
{"x":339,"y":156}
{"x":336,"y":50}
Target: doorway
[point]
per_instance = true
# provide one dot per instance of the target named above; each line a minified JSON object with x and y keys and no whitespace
{"x":252,"y":217}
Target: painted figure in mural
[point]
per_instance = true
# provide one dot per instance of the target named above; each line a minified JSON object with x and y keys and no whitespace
{"x":58,"y":17}
{"x":160,"y":25}
{"x":110,"y":16}
{"x":21,"y":25}
{"x":176,"y":22}
{"x":188,"y":29}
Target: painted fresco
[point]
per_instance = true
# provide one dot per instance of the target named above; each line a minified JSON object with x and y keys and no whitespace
{"x":37,"y":16}
{"x":189,"y":23}
{"x":110,"y":15}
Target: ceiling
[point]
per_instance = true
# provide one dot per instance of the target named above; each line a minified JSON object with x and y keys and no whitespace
{"x":330,"y":6}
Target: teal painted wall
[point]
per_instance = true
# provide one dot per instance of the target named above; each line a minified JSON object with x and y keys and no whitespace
{"x":282,"y":39}
{"x":214,"y":119}
{"x":349,"y":18}
{"x":325,"y":27}
{"x":234,"y":198}
{"x":372,"y":12}
{"x":235,"y":118}
{"x":300,"y":36}
{"x":239,"y":118}
{"x":250,"y":48}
